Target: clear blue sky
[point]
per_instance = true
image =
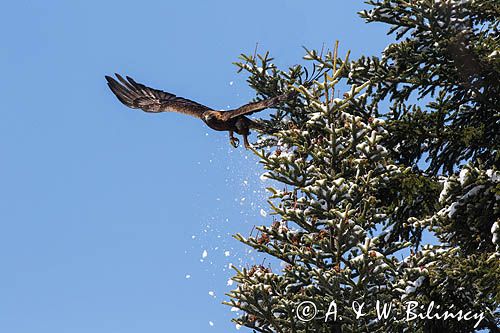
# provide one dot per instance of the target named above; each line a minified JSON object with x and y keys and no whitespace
{"x":99,"y":203}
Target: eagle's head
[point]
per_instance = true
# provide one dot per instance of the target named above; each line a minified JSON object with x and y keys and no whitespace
{"x":208,"y":117}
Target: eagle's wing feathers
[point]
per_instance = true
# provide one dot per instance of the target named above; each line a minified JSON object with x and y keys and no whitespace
{"x":250,"y":108}
{"x":138,"y":96}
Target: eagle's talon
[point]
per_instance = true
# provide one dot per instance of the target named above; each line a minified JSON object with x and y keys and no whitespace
{"x":235,"y":142}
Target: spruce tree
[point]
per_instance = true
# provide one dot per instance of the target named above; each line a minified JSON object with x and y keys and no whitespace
{"x":368,"y":156}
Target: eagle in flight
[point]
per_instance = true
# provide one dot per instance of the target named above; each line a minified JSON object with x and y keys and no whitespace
{"x":138,"y":96}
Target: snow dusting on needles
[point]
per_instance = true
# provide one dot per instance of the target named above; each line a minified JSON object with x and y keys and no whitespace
{"x":495,"y":232}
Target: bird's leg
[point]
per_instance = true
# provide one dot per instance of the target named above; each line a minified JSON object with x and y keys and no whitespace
{"x":245,"y":141}
{"x":234,"y":141}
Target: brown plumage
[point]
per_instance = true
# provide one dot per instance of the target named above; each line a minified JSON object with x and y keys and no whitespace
{"x":138,"y":96}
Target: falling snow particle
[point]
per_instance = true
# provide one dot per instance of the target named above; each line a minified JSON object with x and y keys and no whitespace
{"x":204,"y":254}
{"x":188,"y":276}
{"x":263,"y":212}
{"x":210,"y":323}
{"x":227,"y":253}
{"x":212,"y":293}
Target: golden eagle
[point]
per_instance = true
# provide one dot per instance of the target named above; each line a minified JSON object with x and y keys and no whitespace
{"x":138,"y":96}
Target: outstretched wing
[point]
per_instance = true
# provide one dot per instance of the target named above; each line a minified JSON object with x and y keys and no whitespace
{"x":257,"y":106}
{"x":138,"y":96}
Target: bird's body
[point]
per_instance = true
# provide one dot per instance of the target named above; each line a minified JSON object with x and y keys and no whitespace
{"x":216,"y":121}
{"x":240,"y":125}
{"x":138,"y":96}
